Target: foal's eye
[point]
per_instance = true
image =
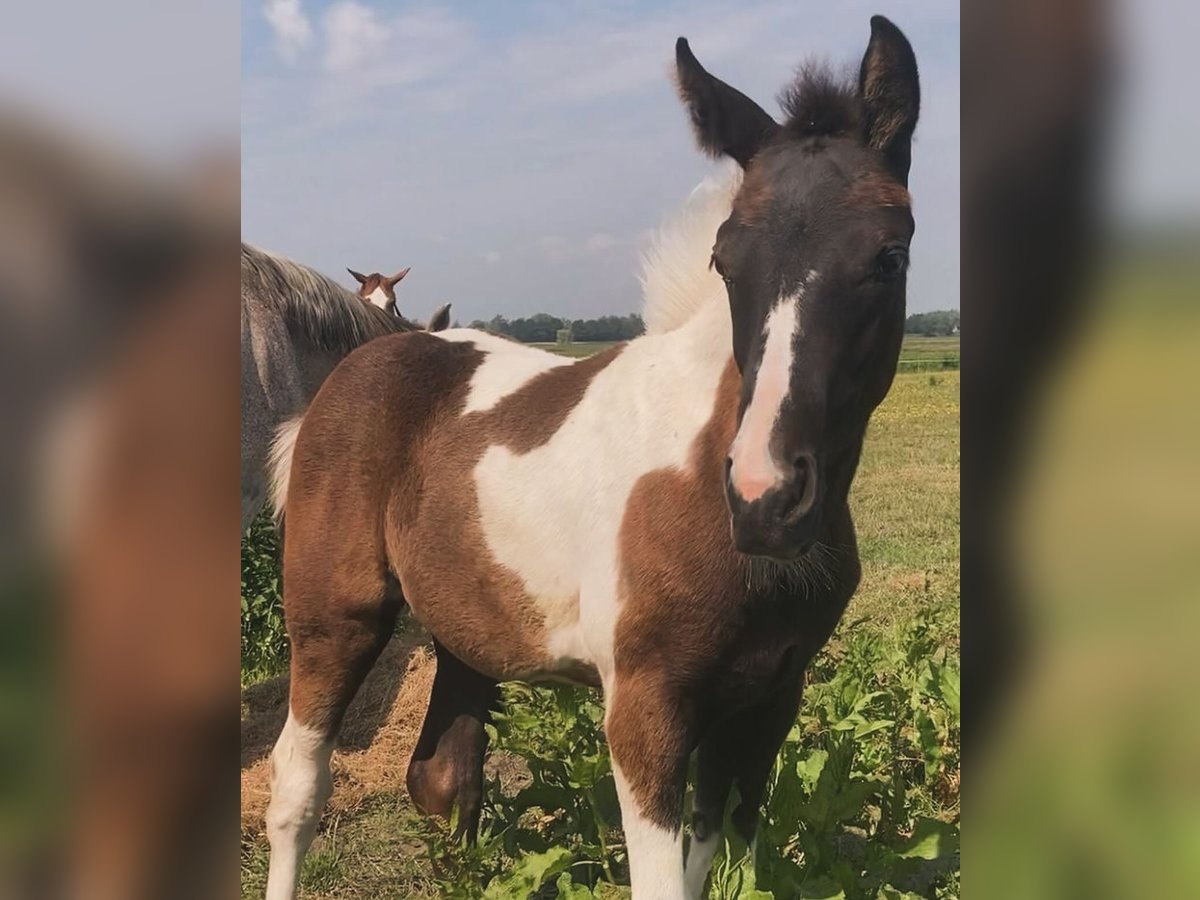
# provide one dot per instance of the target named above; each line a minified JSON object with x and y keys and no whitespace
{"x":714,"y":263}
{"x":892,"y":262}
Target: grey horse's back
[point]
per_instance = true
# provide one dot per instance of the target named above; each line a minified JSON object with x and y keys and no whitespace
{"x":297,"y":325}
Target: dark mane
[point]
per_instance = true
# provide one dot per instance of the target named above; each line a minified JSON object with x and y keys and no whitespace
{"x":820,"y":103}
{"x":315,"y":307}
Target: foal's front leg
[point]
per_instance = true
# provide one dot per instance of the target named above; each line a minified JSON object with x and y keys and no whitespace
{"x":649,"y":739}
{"x":740,"y":750}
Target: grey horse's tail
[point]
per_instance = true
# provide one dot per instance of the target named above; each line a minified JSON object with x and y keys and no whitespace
{"x":279,"y":464}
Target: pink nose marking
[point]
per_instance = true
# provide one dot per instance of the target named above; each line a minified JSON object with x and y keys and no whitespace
{"x":751,"y":481}
{"x":751,"y":487}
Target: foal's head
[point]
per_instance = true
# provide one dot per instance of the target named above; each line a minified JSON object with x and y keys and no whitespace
{"x":377,"y":289}
{"x":814,"y":256}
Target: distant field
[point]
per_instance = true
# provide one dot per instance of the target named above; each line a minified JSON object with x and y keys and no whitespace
{"x":578,"y":349}
{"x":928,"y":353}
{"x":918,"y":354}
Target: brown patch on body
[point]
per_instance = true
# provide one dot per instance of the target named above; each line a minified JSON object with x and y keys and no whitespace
{"x":696,"y":644}
{"x":675,"y":581}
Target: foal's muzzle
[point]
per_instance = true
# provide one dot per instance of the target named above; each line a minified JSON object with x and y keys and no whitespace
{"x":784,"y":522}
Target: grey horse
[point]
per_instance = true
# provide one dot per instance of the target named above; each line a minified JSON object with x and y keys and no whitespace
{"x":297,"y":325}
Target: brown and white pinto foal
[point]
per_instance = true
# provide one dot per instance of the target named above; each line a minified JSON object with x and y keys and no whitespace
{"x":667,"y":520}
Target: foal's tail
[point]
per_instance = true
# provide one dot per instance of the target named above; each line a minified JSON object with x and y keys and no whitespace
{"x":279,"y":464}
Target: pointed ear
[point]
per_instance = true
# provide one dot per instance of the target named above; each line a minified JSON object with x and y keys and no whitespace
{"x":440,"y":319}
{"x":398,"y":276}
{"x":358,"y":276}
{"x":725,"y":120}
{"x":891,"y":94}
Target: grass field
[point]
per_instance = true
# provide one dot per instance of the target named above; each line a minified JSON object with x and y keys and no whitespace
{"x":919,"y":353}
{"x":864,"y":803}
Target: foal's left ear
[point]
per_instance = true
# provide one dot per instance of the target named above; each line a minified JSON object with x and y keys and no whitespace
{"x":891,"y":94}
{"x":398,"y":276}
{"x":726,"y":121}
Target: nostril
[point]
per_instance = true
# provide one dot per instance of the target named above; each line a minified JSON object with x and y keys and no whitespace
{"x":802,"y":490}
{"x":800,"y":466}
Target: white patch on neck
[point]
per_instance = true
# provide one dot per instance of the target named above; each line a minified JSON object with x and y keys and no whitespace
{"x":754,"y":470}
{"x":378,"y":297}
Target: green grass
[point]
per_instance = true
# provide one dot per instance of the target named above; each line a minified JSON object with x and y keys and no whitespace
{"x":379,"y":852}
{"x":578,"y":349}
{"x":918,"y":352}
{"x":865,"y":797}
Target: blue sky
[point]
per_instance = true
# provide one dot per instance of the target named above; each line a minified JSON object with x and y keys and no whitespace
{"x":516,"y":155}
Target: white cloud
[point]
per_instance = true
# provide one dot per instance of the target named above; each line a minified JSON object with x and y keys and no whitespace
{"x":353,"y":36}
{"x":556,"y":141}
{"x":293,"y":31}
{"x":491,"y":257}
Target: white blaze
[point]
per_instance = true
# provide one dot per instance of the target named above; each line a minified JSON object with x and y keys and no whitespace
{"x":755,"y":471}
{"x":379,"y":297}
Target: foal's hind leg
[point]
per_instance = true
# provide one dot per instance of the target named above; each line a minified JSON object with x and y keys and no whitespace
{"x":446,"y":770}
{"x":335,"y":641}
{"x":741,"y":750}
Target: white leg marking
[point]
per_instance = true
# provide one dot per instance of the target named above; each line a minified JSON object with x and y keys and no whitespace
{"x":655,"y":854}
{"x":699,"y":861}
{"x":300,"y":785}
{"x":754,"y":470}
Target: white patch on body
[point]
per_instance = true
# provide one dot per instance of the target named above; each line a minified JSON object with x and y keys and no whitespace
{"x":754,"y":469}
{"x":300,"y":786}
{"x":553,"y":515}
{"x":379,"y":297}
{"x":655,"y":854}
{"x":506,"y":367}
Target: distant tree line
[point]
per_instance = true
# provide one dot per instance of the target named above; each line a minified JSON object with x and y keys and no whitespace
{"x":544,"y":328}
{"x":941,"y":322}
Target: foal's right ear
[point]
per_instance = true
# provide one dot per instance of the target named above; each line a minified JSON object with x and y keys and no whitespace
{"x":725,"y":120}
{"x":358,"y":276}
{"x":891,"y":94}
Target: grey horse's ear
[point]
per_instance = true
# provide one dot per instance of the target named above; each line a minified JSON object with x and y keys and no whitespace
{"x":439,"y":320}
{"x":358,"y":276}
{"x":398,"y":276}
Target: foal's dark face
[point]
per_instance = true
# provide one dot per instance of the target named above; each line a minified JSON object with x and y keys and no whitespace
{"x":814,"y":257}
